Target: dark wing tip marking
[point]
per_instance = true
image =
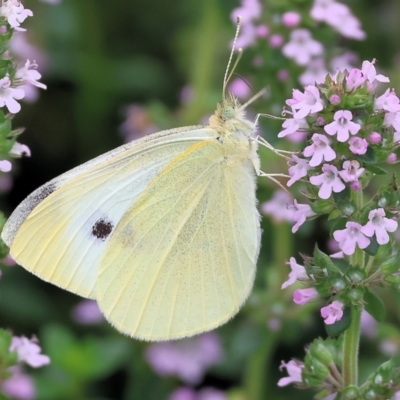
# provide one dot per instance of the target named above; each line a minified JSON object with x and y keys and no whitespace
{"x":102,"y":229}
{"x":41,"y":194}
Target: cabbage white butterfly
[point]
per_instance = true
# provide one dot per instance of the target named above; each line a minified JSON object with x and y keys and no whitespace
{"x":163,"y":232}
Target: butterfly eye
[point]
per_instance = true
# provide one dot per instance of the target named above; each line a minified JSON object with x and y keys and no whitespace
{"x":228,"y":112}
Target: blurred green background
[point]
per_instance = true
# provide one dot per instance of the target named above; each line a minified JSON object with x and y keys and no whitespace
{"x":97,"y":58}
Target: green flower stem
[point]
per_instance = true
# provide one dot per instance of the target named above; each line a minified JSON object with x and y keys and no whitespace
{"x":257,"y":370}
{"x":352,"y":334}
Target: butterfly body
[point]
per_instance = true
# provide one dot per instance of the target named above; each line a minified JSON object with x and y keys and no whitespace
{"x":163,"y":232}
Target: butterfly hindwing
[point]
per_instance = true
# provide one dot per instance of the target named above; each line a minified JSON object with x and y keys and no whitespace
{"x":182,"y":259}
{"x":60,"y":232}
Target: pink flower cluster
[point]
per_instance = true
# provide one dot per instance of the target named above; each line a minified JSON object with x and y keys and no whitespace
{"x":321,"y":163}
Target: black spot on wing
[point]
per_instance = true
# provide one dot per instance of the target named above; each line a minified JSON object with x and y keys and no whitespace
{"x":102,"y":229}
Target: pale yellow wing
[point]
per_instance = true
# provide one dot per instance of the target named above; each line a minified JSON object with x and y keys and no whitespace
{"x":182,"y":259}
{"x":61,"y":230}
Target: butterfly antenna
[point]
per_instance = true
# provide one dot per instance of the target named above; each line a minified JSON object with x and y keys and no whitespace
{"x":228,"y":74}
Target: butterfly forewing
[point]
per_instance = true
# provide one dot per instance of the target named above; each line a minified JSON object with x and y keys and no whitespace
{"x":182,"y":259}
{"x":62,"y":237}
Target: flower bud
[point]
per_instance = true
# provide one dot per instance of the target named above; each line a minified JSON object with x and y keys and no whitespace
{"x":391,"y":158}
{"x":393,"y":280}
{"x":356,"y":295}
{"x":374,"y":138}
{"x":391,"y":265}
{"x":321,"y":353}
{"x":339,"y":284}
{"x":356,"y":275}
{"x":291,"y":19}
{"x":351,"y":393}
{"x":335,"y":99}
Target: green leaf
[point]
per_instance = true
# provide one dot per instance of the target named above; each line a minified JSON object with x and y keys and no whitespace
{"x":374,"y":305}
{"x":375,"y":169}
{"x":322,"y":260}
{"x":334,"y":214}
{"x":340,"y":223}
{"x":369,"y":157}
{"x":339,"y":326}
{"x":322,"y":206}
{"x":343,"y":196}
{"x":373,"y":247}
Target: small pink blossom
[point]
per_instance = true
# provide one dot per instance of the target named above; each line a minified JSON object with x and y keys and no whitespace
{"x":5,"y":166}
{"x":9,"y":95}
{"x":210,"y":393}
{"x":333,"y":312}
{"x":29,"y":74}
{"x":262,"y":31}
{"x":388,"y":102}
{"x":329,"y":181}
{"x":316,"y":72}
{"x":291,"y":19}
{"x":28,"y":351}
{"x":342,"y":125}
{"x":369,"y":71}
{"x":306,"y":103}
{"x":302,"y":47}
{"x":87,"y":312}
{"x":247,"y":37}
{"x":249,"y":10}
{"x":15,"y":13}
{"x":335,"y":99}
{"x":300,"y":214}
{"x":298,"y":272}
{"x":358,"y":145}
{"x":239,"y":88}
{"x":304,"y":296}
{"x":187,"y":358}
{"x":379,"y":225}
{"x":283,"y":75}
{"x":392,"y":119}
{"x":277,"y":207}
{"x":391,"y":158}
{"x":355,"y":79}
{"x":351,"y":236}
{"x":293,"y":125}
{"x":293,"y":369}
{"x":351,"y":171}
{"x":183,"y":393}
{"x":276,"y":40}
{"x":20,"y":150}
{"x":19,"y":385}
{"x":319,"y":150}
{"x":374,"y":138}
{"x":298,"y":169}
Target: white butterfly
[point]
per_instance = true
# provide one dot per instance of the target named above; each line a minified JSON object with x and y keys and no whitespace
{"x":163,"y":232}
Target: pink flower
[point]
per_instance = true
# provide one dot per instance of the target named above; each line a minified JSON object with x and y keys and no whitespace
{"x":277,"y":207}
{"x":298,"y":169}
{"x":239,"y":88}
{"x":9,"y":95}
{"x":5,"y":166}
{"x":319,"y":150}
{"x":335,"y":99}
{"x":391,"y":158}
{"x":379,"y":225}
{"x":333,"y":312}
{"x":298,"y":272}
{"x":369,"y":71}
{"x":19,"y":385}
{"x":355,"y":79}
{"x":342,"y":125}
{"x":291,"y":19}
{"x":292,"y":125}
{"x":392,"y":119}
{"x":302,"y":47}
{"x":329,"y":181}
{"x":301,"y":213}
{"x":183,"y":393}
{"x":28,"y":351}
{"x":29,"y":74}
{"x":351,"y":236}
{"x":306,"y":103}
{"x":247,"y":36}
{"x":315,"y":72}
{"x":250,"y":10}
{"x":293,"y":368}
{"x":358,"y":145}
{"x":15,"y":13}
{"x":339,"y":17}
{"x":20,"y":150}
{"x":87,"y":312}
{"x":210,"y":393}
{"x":351,"y":171}
{"x":388,"y":102}
{"x":262,"y":31}
{"x":187,"y":358}
{"x":304,"y":296}
{"x":276,"y":40}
